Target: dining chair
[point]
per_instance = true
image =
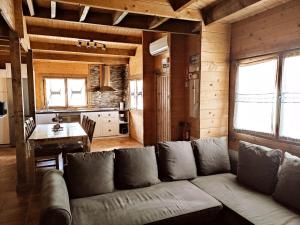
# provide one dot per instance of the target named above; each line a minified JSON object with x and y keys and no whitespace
{"x":84,"y":122}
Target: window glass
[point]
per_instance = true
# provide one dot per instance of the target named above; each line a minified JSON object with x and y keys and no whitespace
{"x":255,"y":97}
{"x":76,"y":92}
{"x":139,"y":94}
{"x":133,"y":94}
{"x":55,"y":92}
{"x":290,"y":98}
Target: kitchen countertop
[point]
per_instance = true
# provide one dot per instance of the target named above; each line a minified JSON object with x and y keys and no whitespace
{"x":79,"y":110}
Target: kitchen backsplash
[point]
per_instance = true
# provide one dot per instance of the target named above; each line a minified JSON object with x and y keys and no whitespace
{"x":118,"y":81}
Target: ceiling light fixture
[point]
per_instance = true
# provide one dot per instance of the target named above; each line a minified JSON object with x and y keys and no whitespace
{"x":91,"y":44}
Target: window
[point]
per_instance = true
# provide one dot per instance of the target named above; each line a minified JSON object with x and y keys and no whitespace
{"x":136,"y":94}
{"x":290,"y":98}
{"x":55,"y":92}
{"x":65,"y":92}
{"x":255,"y":97}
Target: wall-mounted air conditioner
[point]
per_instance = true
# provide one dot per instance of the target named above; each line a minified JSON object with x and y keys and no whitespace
{"x":159,"y":46}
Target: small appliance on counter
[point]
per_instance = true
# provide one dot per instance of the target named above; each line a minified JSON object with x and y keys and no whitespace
{"x":122,"y":105}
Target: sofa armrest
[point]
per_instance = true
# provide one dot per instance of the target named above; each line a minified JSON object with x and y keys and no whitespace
{"x":233,"y":156}
{"x":55,"y":208}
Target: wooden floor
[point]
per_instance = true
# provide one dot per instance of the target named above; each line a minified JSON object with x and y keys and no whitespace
{"x":24,"y":210}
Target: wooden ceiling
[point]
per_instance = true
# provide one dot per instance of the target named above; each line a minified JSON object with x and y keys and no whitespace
{"x":54,"y":27}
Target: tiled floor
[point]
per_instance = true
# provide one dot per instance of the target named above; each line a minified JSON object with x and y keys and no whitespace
{"x":24,"y":210}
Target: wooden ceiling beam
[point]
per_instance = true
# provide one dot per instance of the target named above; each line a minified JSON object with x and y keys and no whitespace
{"x":180,"y":5}
{"x":118,"y":17}
{"x":75,"y":49}
{"x":157,"y":21}
{"x":78,"y":34}
{"x":140,"y":7}
{"x":224,"y":8}
{"x":83,"y":13}
{"x":30,"y":7}
{"x":78,"y":58}
{"x":53,"y":9}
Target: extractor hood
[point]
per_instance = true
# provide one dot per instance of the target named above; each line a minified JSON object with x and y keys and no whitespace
{"x":104,"y":80}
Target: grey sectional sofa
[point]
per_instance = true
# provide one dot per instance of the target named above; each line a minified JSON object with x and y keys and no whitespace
{"x":210,"y":199}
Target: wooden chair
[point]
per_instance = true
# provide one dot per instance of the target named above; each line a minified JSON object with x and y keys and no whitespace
{"x":84,"y":122}
{"x":78,"y":146}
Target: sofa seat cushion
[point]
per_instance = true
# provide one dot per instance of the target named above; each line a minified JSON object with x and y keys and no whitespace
{"x":255,"y":207}
{"x":145,"y":205}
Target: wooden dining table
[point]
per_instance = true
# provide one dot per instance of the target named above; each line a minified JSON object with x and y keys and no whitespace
{"x":68,"y":133}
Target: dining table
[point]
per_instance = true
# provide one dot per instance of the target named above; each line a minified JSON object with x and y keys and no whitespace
{"x":67,"y":133}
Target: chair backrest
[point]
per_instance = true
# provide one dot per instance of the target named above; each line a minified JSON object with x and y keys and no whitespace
{"x":32,"y":123}
{"x":91,"y":128}
{"x":27,"y":130}
{"x":84,"y":122}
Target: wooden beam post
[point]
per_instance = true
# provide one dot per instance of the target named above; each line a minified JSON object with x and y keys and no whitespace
{"x":83,"y":13}
{"x":30,"y":7}
{"x":118,"y":17}
{"x":31,"y":86}
{"x":22,"y":156}
{"x":18,"y":14}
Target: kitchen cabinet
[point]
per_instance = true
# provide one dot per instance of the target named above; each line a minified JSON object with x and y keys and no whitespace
{"x":107,"y":123}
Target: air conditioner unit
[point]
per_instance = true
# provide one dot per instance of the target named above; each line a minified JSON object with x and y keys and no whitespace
{"x":159,"y":46}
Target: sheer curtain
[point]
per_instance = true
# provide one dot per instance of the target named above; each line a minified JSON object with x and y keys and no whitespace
{"x":255,"y":97}
{"x":76,"y":92}
{"x":55,"y":92}
{"x":290,"y":98}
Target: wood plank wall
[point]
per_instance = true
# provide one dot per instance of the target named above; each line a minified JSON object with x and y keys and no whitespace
{"x":55,"y":69}
{"x":214,"y":81}
{"x":179,"y":104}
{"x":277,"y":29}
{"x":136,"y":127}
{"x":149,"y":112}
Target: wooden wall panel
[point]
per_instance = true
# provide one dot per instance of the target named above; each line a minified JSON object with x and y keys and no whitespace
{"x":136,"y":125}
{"x":178,"y":63}
{"x":214,"y":87}
{"x":272,"y":31}
{"x":55,"y":69}
{"x":149,"y":115}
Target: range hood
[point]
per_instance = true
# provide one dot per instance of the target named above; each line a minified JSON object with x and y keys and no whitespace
{"x":104,"y":80}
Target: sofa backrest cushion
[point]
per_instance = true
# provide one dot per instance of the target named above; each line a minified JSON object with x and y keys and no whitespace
{"x":176,"y":160}
{"x":90,"y":173}
{"x":258,"y":167}
{"x":212,"y":155}
{"x":136,"y":167}
{"x":287,"y":188}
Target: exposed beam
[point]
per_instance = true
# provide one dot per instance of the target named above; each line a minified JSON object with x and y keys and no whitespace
{"x":197,"y":28}
{"x":57,"y":32}
{"x":4,"y":42}
{"x":53,"y":9}
{"x":225,"y":8}
{"x":79,"y":58}
{"x":140,"y":7}
{"x":157,"y":21}
{"x":72,"y":48}
{"x":118,"y":17}
{"x":83,"y":13}
{"x":132,"y":21}
{"x":30,"y":7}
{"x":18,"y":14}
{"x":180,"y":5}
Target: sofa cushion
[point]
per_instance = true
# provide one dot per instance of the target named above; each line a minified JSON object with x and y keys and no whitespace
{"x":287,"y":188}
{"x":136,"y":167}
{"x":90,"y":173}
{"x":159,"y":202}
{"x":212,"y":155}
{"x":257,"y":208}
{"x":176,"y":160}
{"x":258,"y":167}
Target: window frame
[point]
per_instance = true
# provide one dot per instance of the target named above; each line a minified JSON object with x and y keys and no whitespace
{"x":136,"y":94}
{"x":245,"y":134}
{"x":65,"y":78}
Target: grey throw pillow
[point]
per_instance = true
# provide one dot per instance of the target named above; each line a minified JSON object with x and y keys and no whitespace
{"x":212,"y":155}
{"x":287,"y":188}
{"x":176,"y":160}
{"x":90,"y":173}
{"x":136,"y":167}
{"x":258,"y":167}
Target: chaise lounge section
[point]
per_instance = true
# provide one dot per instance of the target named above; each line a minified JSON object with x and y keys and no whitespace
{"x":181,"y":195}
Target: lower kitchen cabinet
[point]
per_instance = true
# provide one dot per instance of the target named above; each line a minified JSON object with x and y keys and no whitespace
{"x":107,"y":123}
